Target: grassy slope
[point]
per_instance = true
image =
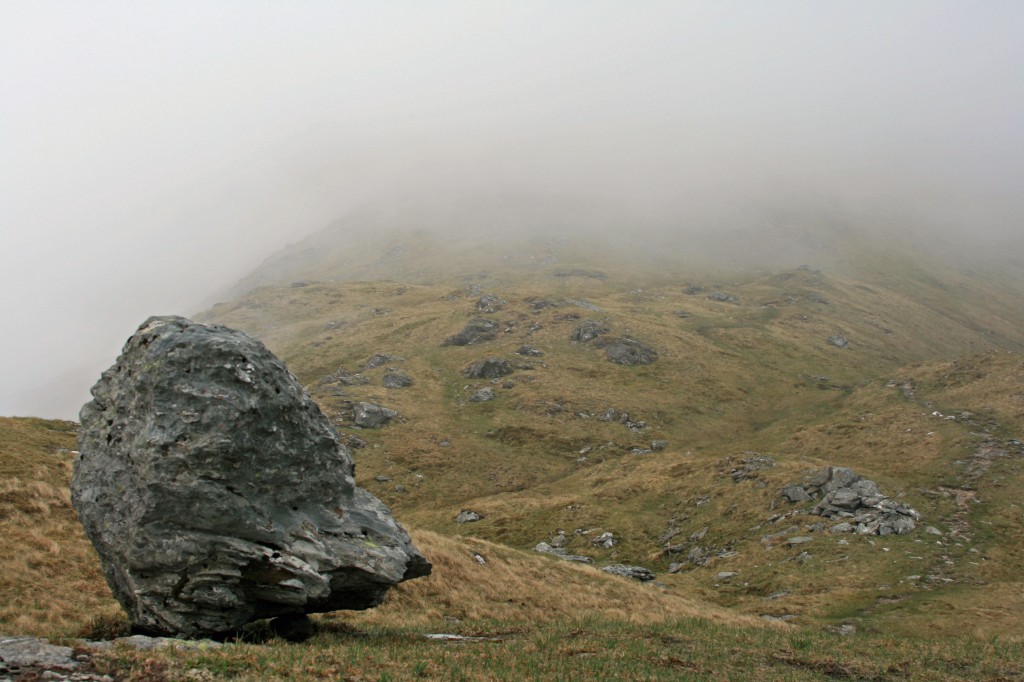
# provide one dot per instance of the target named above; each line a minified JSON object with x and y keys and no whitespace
{"x":732,"y":379}
{"x":757,"y":376}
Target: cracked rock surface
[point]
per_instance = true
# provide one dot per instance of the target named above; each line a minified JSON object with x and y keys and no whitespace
{"x":216,"y":492}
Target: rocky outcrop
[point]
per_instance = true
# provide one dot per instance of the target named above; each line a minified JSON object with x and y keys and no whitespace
{"x":634,"y":572}
{"x":216,"y":492}
{"x":396,"y":378}
{"x":488,"y":368}
{"x":588,"y":330}
{"x":477,"y":330}
{"x":838,"y":341}
{"x":371,"y":416}
{"x":490,"y":304}
{"x":623,"y":351}
{"x":482,"y":395}
{"x":854,"y":502}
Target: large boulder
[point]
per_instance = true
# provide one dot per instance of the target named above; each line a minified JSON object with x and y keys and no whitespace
{"x":216,"y":493}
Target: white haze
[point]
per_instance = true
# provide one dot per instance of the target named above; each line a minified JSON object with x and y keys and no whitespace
{"x":154,"y":152}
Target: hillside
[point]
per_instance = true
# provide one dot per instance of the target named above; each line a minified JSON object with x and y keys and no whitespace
{"x":739,"y":383}
{"x":747,"y":368}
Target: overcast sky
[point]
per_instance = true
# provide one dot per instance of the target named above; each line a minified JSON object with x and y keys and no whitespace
{"x":153,"y":152}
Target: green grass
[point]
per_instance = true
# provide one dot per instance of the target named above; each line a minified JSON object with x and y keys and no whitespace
{"x":588,"y":648}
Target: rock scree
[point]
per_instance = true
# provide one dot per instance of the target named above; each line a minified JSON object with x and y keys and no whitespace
{"x":217,"y":493}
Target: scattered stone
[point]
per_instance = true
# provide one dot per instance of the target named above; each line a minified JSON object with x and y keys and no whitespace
{"x":371,"y":416}
{"x":682,"y":314}
{"x":490,"y":304}
{"x":749,"y":466}
{"x":675,"y":567}
{"x":352,"y":441}
{"x":630,"y":352}
{"x":482,"y":395}
{"x":932,"y":530}
{"x":838,"y":341}
{"x":693,"y":290}
{"x":467,"y":516}
{"x":530,"y":351}
{"x":397,"y":378}
{"x":345,"y":378}
{"x":489,"y":368}
{"x":379,"y":360}
{"x":726,"y":575}
{"x":799,"y":540}
{"x":842,"y":528}
{"x":216,"y":493}
{"x":559,"y":540}
{"x":635,"y":572}
{"x":606,"y":540}
{"x":382,"y":479}
{"x":658,"y":445}
{"x":722,"y":297}
{"x":589,"y":330}
{"x":539,"y":304}
{"x":545,"y":548}
{"x":477,"y":330}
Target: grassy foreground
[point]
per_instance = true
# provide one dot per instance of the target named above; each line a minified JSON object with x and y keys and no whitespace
{"x":538,"y":618}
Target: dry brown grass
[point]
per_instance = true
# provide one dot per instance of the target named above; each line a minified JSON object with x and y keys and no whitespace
{"x":49,"y":575}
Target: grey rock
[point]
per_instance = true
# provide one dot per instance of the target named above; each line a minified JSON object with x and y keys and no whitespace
{"x":841,"y":528}
{"x":379,"y":360}
{"x":23,"y":652}
{"x":749,"y":466}
{"x":482,"y":396}
{"x":796,"y":493}
{"x":865,"y":488}
{"x":589,"y":330}
{"x":345,"y":378}
{"x":722,"y":297}
{"x":799,"y":540}
{"x":658,"y":445}
{"x":606,"y":540}
{"x":559,"y":540}
{"x":530,"y":351}
{"x":675,"y":567}
{"x":488,"y":368}
{"x":467,"y":516}
{"x":844,"y":499}
{"x":693,"y":290}
{"x":838,"y":341}
{"x":477,"y":330}
{"x":726,"y":575}
{"x":397,"y":378}
{"x":932,"y":530}
{"x":371,"y":416}
{"x":635,"y":572}
{"x":490,"y":304}
{"x":216,"y":493}
{"x":630,"y":352}
{"x":382,"y":479}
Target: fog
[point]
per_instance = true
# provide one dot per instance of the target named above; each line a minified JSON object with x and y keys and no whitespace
{"x":153,"y":153}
